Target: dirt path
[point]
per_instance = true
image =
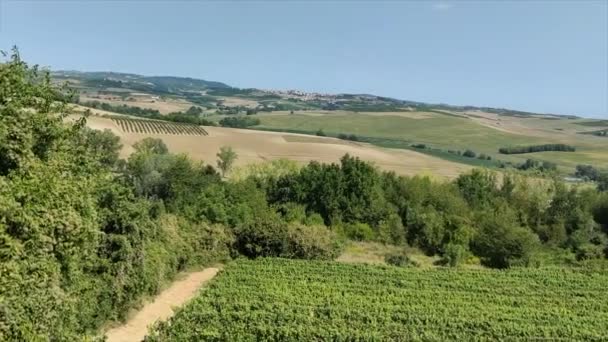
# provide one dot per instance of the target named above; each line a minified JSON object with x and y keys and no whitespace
{"x":161,"y":308}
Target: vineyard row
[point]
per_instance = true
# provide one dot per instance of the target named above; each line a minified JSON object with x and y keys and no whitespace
{"x":158,"y":127}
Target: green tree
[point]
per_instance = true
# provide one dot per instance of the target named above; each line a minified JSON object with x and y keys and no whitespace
{"x":602,"y":182}
{"x":501,"y":242}
{"x":225,"y":159}
{"x":151,"y":145}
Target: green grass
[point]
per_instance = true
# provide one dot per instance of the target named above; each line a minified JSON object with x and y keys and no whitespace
{"x":593,"y":123}
{"x":287,"y":300}
{"x":441,"y":130}
{"x":444,"y":132}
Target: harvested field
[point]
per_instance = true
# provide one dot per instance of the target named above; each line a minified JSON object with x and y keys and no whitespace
{"x":258,"y":146}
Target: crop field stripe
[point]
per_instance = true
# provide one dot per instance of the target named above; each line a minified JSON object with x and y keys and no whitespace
{"x":288,"y":300}
{"x":140,"y":126}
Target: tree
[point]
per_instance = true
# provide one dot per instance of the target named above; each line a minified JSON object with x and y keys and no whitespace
{"x":151,"y":145}
{"x":225,"y":159}
{"x":602,"y":182}
{"x":587,"y":172}
{"x":501,"y":243}
{"x":469,"y":154}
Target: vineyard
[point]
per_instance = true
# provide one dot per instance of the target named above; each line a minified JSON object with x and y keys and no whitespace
{"x":158,"y":127}
{"x":283,"y":300}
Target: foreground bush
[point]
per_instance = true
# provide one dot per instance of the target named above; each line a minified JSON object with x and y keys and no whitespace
{"x":271,"y":237}
{"x":312,"y":242}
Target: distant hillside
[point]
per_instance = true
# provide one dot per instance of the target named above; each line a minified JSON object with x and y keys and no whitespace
{"x":151,"y":84}
{"x":207,"y":94}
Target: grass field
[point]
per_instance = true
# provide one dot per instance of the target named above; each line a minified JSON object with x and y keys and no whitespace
{"x":482,"y":134}
{"x":283,"y":300}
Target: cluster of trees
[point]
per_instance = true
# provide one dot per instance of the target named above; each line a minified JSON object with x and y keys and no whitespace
{"x":590,"y":173}
{"x":503,"y":223}
{"x":343,"y":136}
{"x":121,"y":109}
{"x":532,"y":164}
{"x":191,"y":116}
{"x":536,"y":148}
{"x":239,"y":121}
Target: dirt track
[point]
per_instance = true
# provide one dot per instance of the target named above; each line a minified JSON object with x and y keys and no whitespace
{"x":161,"y":308}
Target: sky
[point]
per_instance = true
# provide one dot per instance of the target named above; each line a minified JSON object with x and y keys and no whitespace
{"x":541,"y":56}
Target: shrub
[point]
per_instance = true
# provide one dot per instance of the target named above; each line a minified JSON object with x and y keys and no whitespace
{"x":357,"y":231}
{"x":391,"y":230}
{"x":265,"y":236}
{"x":312,"y":242}
{"x":469,"y":154}
{"x":589,"y":251}
{"x":501,"y":243}
{"x":455,"y":254}
{"x":400,"y":259}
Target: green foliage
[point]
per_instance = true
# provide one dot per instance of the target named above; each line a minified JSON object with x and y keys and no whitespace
{"x":239,"y":121}
{"x":225,"y":159}
{"x":587,"y":172}
{"x":326,"y":301}
{"x":400,"y":259}
{"x":469,"y":154}
{"x":536,"y":148}
{"x":267,"y":236}
{"x":151,"y":145}
{"x":455,"y":254}
{"x":602,"y":182}
{"x":478,"y":187}
{"x":501,"y":242}
{"x":356,"y":231}
{"x":192,"y":116}
{"x":262,"y":237}
{"x":312,"y":242}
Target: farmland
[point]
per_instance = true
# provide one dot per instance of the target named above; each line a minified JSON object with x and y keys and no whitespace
{"x":257,"y":146}
{"x":282,"y":300}
{"x":157,"y":127}
{"x":482,"y":134}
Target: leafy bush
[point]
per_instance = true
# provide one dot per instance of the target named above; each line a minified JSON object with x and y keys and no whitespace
{"x":589,"y":251}
{"x":455,"y":254}
{"x":501,"y":242}
{"x":357,"y":231}
{"x":312,"y":242}
{"x":469,"y":154}
{"x":400,"y":259}
{"x":263,"y":237}
{"x":270,"y":236}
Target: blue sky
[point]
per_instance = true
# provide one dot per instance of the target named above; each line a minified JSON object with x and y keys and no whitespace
{"x":544,"y":56}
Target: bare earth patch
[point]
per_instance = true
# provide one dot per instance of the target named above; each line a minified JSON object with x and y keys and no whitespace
{"x":161,"y":308}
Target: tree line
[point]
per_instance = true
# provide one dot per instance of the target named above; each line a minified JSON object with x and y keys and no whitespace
{"x":191,"y":116}
{"x":239,"y":121}
{"x":536,"y":148}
